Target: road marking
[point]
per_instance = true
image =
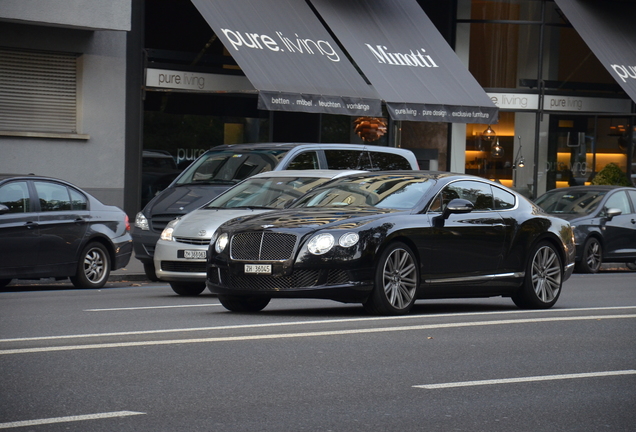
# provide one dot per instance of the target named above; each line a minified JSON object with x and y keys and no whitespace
{"x":68,"y":419}
{"x":307,"y":334}
{"x":151,"y":307}
{"x":302,"y":323}
{"x":525,"y":379}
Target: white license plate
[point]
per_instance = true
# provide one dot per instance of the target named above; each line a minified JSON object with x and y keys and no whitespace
{"x":258,"y":268}
{"x":195,"y":254}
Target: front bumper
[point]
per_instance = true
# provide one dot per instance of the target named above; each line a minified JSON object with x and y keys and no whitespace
{"x":144,"y":243}
{"x":170,"y":264}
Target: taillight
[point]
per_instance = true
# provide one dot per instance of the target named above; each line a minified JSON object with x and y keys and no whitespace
{"x":127,"y":223}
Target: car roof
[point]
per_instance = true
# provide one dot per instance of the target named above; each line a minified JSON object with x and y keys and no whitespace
{"x":326,"y":173}
{"x":589,"y":188}
{"x":325,"y":146}
{"x":6,"y":176}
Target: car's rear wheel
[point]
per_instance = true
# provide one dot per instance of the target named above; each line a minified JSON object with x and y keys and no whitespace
{"x":93,"y":267}
{"x":188,"y":288}
{"x":544,"y":277}
{"x":243,"y":304}
{"x":149,"y":269}
{"x":592,"y":257}
{"x":5,"y":282}
{"x":396,"y":281}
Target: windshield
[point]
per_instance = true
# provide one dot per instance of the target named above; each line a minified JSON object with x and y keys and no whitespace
{"x":272,"y":192}
{"x":230,"y":167}
{"x":400,"y":192}
{"x":581,"y":202}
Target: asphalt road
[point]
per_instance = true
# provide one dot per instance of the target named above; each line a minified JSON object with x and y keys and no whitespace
{"x":136,"y":357}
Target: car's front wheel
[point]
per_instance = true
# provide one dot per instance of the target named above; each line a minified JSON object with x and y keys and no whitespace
{"x":396,"y":281}
{"x":188,"y":288}
{"x":243,"y":304}
{"x":151,"y":274}
{"x":93,"y":267}
{"x":592,"y":257}
{"x":544,"y":277}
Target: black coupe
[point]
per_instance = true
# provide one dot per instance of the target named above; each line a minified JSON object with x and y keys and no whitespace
{"x":385,"y":239}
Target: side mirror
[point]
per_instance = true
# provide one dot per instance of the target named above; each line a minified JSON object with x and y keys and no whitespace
{"x":3,"y":209}
{"x":458,"y":206}
{"x":611,"y":212}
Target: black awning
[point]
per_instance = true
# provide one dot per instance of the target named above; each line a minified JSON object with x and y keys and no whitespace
{"x":407,"y":60}
{"x":608,"y":28}
{"x":289,"y":57}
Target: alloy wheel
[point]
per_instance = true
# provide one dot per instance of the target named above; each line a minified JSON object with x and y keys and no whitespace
{"x":400,"y":278}
{"x":546,"y":274}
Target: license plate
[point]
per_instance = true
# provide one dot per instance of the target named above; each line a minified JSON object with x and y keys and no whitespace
{"x":258,"y":268}
{"x":195,"y":254}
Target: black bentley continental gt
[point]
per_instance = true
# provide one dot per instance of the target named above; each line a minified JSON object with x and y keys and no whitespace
{"x":385,"y":239}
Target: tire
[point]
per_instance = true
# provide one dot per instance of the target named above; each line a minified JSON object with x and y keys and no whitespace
{"x":544,"y":277}
{"x":5,"y":282}
{"x":396,"y":282}
{"x":592,"y":258}
{"x":93,"y":267}
{"x":149,"y":269}
{"x":630,"y":265}
{"x":243,"y":304}
{"x":188,"y":288}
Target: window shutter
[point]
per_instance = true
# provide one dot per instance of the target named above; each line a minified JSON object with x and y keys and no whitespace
{"x":38,"y":92}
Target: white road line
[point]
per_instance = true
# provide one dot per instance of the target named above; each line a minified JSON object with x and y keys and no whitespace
{"x":151,"y":307}
{"x":306,"y":334}
{"x":313,"y":322}
{"x":68,"y":419}
{"x":525,"y":379}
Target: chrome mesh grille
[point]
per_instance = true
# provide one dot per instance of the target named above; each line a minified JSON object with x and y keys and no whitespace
{"x":262,"y":246}
{"x":298,"y":279}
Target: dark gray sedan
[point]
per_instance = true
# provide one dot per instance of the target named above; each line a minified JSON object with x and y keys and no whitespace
{"x":50,"y":228}
{"x":603,"y":219}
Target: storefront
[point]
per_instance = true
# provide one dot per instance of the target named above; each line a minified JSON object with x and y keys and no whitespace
{"x":566,"y":109}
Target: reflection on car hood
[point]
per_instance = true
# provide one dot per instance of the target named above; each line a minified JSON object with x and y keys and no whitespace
{"x":183,"y":199}
{"x":310,"y":218}
{"x":569,"y":217}
{"x":208,"y":220}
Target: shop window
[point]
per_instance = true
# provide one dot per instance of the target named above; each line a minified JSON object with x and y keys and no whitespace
{"x":38,"y":92}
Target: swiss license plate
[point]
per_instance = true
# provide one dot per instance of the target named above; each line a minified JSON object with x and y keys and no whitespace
{"x":195,"y":254}
{"x":258,"y":268}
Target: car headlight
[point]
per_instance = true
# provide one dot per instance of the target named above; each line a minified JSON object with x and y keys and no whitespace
{"x":141,"y":222}
{"x":221,"y":243}
{"x":320,"y":244}
{"x":166,"y":234}
{"x":348,"y":239}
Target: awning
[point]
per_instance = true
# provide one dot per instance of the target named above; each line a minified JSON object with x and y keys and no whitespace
{"x":289,"y":57}
{"x":407,"y":60}
{"x":609,"y":30}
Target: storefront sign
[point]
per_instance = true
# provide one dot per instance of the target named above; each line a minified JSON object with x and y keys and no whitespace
{"x":200,"y":82}
{"x":520,"y":102}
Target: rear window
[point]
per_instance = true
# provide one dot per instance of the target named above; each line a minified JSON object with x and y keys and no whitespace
{"x":366,"y":160}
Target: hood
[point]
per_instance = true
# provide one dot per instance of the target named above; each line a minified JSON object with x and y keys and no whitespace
{"x":195,"y":223}
{"x":569,"y":217}
{"x":311,"y":218}
{"x":183,"y":199}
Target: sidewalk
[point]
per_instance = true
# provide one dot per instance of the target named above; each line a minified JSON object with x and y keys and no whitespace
{"x":134,"y":271}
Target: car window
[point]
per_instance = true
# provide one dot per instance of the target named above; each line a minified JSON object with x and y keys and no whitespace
{"x":348,"y":159}
{"x":15,"y":195}
{"x":78,"y":200}
{"x":618,"y":200}
{"x":477,"y":193}
{"x":632,"y":195}
{"x":305,"y":160}
{"x":503,"y":199}
{"x":582,"y":201}
{"x":53,"y":196}
{"x":389,"y":161}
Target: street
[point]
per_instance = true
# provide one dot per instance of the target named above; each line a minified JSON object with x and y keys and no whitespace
{"x":134,"y":356}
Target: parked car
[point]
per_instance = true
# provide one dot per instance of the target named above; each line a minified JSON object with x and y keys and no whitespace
{"x":224,"y":166}
{"x":386,"y":239}
{"x":181,"y":252}
{"x":604,"y":222}
{"x":52,"y":229}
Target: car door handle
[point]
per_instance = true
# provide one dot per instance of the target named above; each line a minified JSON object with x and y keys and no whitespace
{"x":634,"y":221}
{"x":80,"y":220}
{"x":31,"y":225}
